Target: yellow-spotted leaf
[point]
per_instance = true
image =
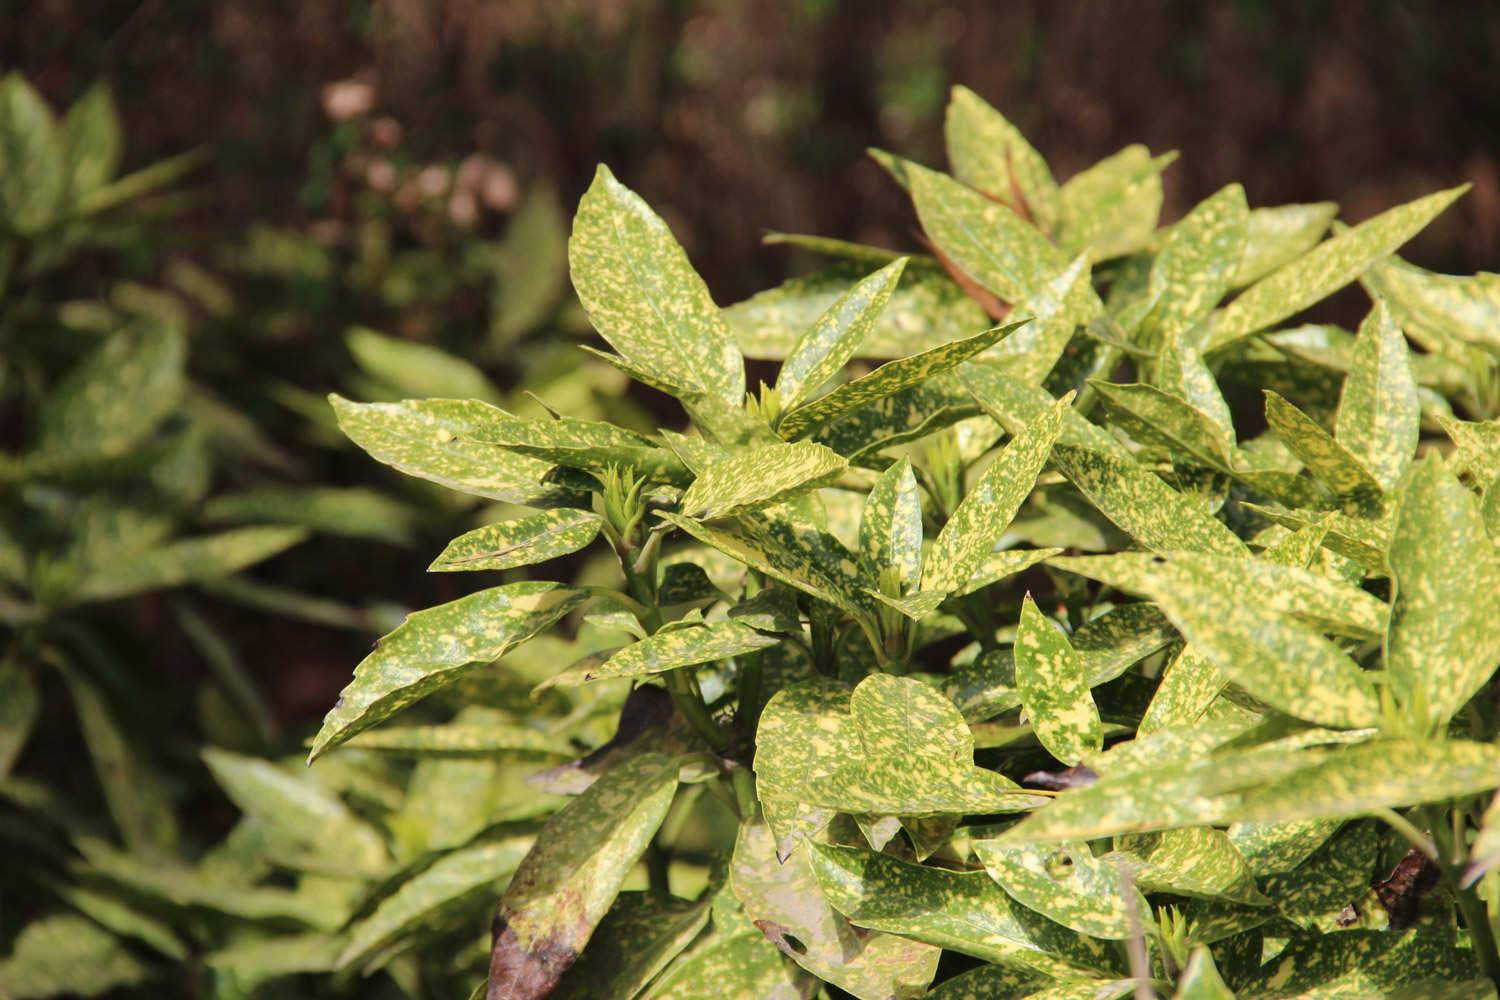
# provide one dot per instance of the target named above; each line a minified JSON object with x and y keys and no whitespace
{"x":890,"y":527}
{"x":1325,"y":457}
{"x":1054,"y":689}
{"x":1160,"y":419}
{"x":567,"y":882}
{"x":1066,"y":883}
{"x":644,"y":297}
{"x":641,"y":935}
{"x":969,"y":537}
{"x":889,"y":378}
{"x":755,"y":478}
{"x":1200,"y":980}
{"x":1180,"y":371}
{"x":783,"y":899}
{"x":1445,"y":634}
{"x":1380,"y":416}
{"x":1197,"y":263}
{"x":836,"y":336}
{"x":1280,"y":234}
{"x":1187,"y":686}
{"x":1198,"y":862}
{"x":962,"y":911}
{"x":1015,"y":404}
{"x":668,"y":650}
{"x":1363,"y":963}
{"x":1057,"y":309}
{"x":435,"y":647}
{"x":990,"y":154}
{"x":998,"y":566}
{"x":522,"y":542}
{"x":1338,"y":873}
{"x":1111,"y":209}
{"x":1440,"y":309}
{"x":1324,"y":269}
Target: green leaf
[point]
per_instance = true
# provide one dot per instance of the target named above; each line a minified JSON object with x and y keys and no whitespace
{"x":908,"y":415}
{"x":417,"y":370}
{"x":296,"y":810}
{"x":187,"y":560}
{"x":1336,"y":875}
{"x":991,"y":982}
{"x":1157,"y":418}
{"x":68,"y":955}
{"x":136,"y":797}
{"x":1180,"y":371}
{"x":1440,"y":310}
{"x":983,"y":515}
{"x":123,"y":919}
{"x":783,"y":899}
{"x":114,"y":399}
{"x":435,"y":647}
{"x":1279,"y":235}
{"x":1201,"y":979}
{"x":990,"y":154}
{"x":830,"y":342}
{"x":1054,"y":690}
{"x":531,"y":265}
{"x":1325,"y":269}
{"x":656,"y":654}
{"x":33,"y":170}
{"x":92,"y":139}
{"x":637,"y":939}
{"x":1360,"y":963}
{"x":983,"y":238}
{"x":477,"y":731}
{"x":1111,"y":209}
{"x":451,"y":883}
{"x":1269,"y":848}
{"x":522,"y":542}
{"x":1014,"y":405}
{"x":890,"y":528}
{"x":355,"y":512}
{"x":1379,"y":417}
{"x":745,"y":962}
{"x":1143,"y":506}
{"x":926,"y":310}
{"x":1325,"y":457}
{"x":889,"y":378}
{"x":570,"y":878}
{"x":1188,"y":684}
{"x":1066,"y":884}
{"x":1445,"y":636}
{"x":754,"y":478}
{"x":1057,"y":309}
{"x":998,"y":566}
{"x":260,"y":960}
{"x":436,"y":440}
{"x":1197,"y":262}
{"x":1476,"y":447}
{"x":1198,"y":862}
{"x":644,"y":297}
{"x":963,"y":911}
{"x":19,"y":702}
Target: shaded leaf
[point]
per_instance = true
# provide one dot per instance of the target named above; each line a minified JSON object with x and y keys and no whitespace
{"x":355,"y":512}
{"x":1111,"y":208}
{"x":19,"y":702}
{"x":1199,"y":862}
{"x":637,"y":939}
{"x":1201,"y":979}
{"x":684,"y":647}
{"x":1324,"y":456}
{"x":531,"y":539}
{"x":890,"y":527}
{"x":67,"y":955}
{"x":416,"y":370}
{"x":33,"y":170}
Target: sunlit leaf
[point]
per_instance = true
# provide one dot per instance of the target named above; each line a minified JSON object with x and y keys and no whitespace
{"x":1066,"y":884}
{"x":755,"y":478}
{"x":1054,"y":689}
{"x":1111,"y":208}
{"x":683,"y":647}
{"x":836,"y":336}
{"x":990,"y":154}
{"x":531,"y":539}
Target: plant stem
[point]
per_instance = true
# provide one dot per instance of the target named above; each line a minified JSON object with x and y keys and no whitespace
{"x":1409,"y":830}
{"x":690,"y":703}
{"x":1476,"y":917}
{"x":657,"y":876}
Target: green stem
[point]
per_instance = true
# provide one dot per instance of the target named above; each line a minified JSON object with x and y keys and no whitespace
{"x":1476,"y":917}
{"x":690,"y":703}
{"x":657,"y":877}
{"x":744,"y":791}
{"x":1409,"y":830}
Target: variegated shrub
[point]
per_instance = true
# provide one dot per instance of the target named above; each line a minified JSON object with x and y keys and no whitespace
{"x":1068,"y":619}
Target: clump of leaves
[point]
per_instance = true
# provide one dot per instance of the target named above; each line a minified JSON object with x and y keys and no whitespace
{"x":1126,"y":645}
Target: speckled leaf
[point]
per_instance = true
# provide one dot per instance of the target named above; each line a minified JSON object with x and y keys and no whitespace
{"x":1476,"y":447}
{"x":1111,"y":209}
{"x":1336,"y":874}
{"x":990,"y":982}
{"x":1014,"y":405}
{"x":641,"y":935}
{"x":1359,"y":963}
{"x":984,"y":238}
{"x":300,"y":812}
{"x":1201,"y":979}
{"x":1111,"y":643}
{"x":1440,"y":309}
{"x":969,"y":537}
{"x":1269,"y":848}
{"x":1066,"y":884}
{"x":1353,"y":780}
{"x":68,"y":955}
{"x":998,"y":566}
{"x":990,"y":154}
{"x":964,"y":911}
{"x":1445,"y":634}
{"x":567,"y":883}
{"x":801,"y":557}
{"x":926,"y":309}
{"x":437,"y":646}
{"x":110,"y":402}
{"x":1324,"y":269}
{"x":582,"y":444}
{"x":1379,"y":416}
{"x":522,"y":542}
{"x":644,"y":297}
{"x":1143,"y":506}
{"x":656,"y":654}
{"x":477,"y":732}
{"x":903,"y":416}
{"x":1363,"y":534}
{"x":1194,"y":267}
{"x":1054,"y":691}
{"x":1280,"y":234}
{"x":434,"y":440}
{"x":454,"y":881}
{"x":1188,"y":684}
{"x":1198,"y":862}
{"x":889,"y":378}
{"x":890,"y":529}
{"x":1057,"y":309}
{"x":1153,"y":417}
{"x":19,"y":701}
{"x":1180,"y":371}
{"x":784,"y":901}
{"x":755,"y":478}
{"x":836,"y":336}
{"x":1328,"y":460}
{"x":741,"y":966}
